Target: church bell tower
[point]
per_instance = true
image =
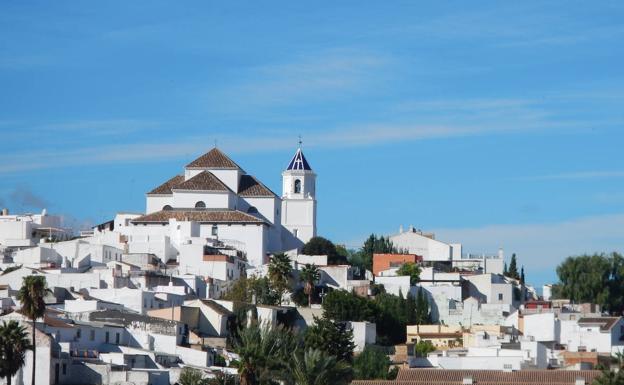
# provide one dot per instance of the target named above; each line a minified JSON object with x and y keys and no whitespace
{"x":298,"y":201}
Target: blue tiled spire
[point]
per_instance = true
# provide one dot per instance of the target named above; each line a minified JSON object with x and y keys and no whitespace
{"x":299,"y":162}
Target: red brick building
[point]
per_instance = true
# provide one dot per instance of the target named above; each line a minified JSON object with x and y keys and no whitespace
{"x":383,"y":262}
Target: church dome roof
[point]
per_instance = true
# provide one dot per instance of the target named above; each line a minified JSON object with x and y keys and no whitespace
{"x":299,"y":162}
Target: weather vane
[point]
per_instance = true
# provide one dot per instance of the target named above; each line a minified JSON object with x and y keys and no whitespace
{"x":300,"y":141}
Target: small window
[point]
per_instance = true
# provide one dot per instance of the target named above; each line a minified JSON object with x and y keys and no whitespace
{"x":117,"y":338}
{"x":78,"y":333}
{"x":297,"y":186}
{"x":166,"y":208}
{"x":500,"y":296}
{"x":64,"y":369}
{"x":91,"y":335}
{"x":215,"y":230}
{"x":107,"y":337}
{"x":200,"y":205}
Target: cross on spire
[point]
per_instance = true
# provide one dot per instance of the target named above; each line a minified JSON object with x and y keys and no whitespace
{"x":300,"y":141}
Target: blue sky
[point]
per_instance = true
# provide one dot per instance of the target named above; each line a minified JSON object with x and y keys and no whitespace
{"x":494,"y":124}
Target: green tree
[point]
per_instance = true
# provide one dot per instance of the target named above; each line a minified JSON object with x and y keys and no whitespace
{"x":372,"y":364}
{"x":309,"y":275}
{"x":191,"y":376}
{"x":375,"y":245}
{"x":411,"y":269}
{"x":513,"y":267}
{"x":13,"y":346}
{"x":264,"y":352}
{"x":341,"y":305}
{"x":610,"y":378}
{"x":422,"y":348}
{"x":597,"y":278}
{"x":250,"y":289}
{"x":315,"y":367}
{"x":522,"y":275}
{"x":330,"y":337}
{"x":280,"y":272}
{"x":505,"y":270}
{"x":31,"y":296}
{"x":423,"y":313}
{"x":323,"y":246}
{"x":221,"y":378}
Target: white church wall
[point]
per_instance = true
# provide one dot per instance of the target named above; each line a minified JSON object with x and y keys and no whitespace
{"x":214,"y":200}
{"x":229,"y":177}
{"x":157,"y":202}
{"x":249,"y":238}
{"x":299,"y":215}
{"x":416,"y":243}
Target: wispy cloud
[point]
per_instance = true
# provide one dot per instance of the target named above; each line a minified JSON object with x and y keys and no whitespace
{"x":311,"y":77}
{"x":542,"y":246}
{"x":578,"y":175}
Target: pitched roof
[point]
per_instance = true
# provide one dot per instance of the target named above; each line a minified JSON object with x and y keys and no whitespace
{"x":166,"y":187}
{"x":606,"y":323}
{"x":452,"y":377}
{"x":249,"y":186}
{"x":216,"y":307}
{"x":299,"y":162}
{"x":204,"y":181}
{"x":206,"y":216}
{"x":213,"y":159}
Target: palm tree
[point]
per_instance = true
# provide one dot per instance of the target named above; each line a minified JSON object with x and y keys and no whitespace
{"x":280,"y":271}
{"x":316,"y":368}
{"x":263,"y":352}
{"x":609,"y":378}
{"x":31,"y":296}
{"x":13,"y":346}
{"x":309,"y":275}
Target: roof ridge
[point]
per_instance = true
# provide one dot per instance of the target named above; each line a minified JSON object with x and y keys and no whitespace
{"x":214,"y":158}
{"x":198,"y":183}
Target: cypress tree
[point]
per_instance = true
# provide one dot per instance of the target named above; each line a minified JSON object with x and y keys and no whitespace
{"x":513,"y":268}
{"x":522,"y":275}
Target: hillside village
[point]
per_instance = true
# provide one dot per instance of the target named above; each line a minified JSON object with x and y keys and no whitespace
{"x":223,"y":281}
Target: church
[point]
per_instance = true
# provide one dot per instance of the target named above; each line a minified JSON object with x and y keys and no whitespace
{"x":214,"y":198}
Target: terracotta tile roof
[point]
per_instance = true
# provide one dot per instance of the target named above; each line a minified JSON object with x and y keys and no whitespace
{"x":249,"y":186}
{"x":213,"y":159}
{"x":206,"y":216}
{"x":204,"y":181}
{"x":56,"y":323}
{"x":482,"y":377}
{"x":606,"y":323}
{"x":166,"y":187}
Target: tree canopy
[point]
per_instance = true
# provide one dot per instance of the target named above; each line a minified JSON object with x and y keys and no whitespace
{"x":411,"y":269}
{"x":597,"y":278}
{"x":372,"y":364}
{"x":323,"y":246}
{"x":330,"y":337}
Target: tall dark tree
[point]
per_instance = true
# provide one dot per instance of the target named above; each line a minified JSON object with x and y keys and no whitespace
{"x":372,"y":364}
{"x":505,"y":271}
{"x":423,"y":313}
{"x":31,"y":295}
{"x":410,"y":309}
{"x":522,"y":275}
{"x":375,"y":245}
{"x":13,"y":346}
{"x":331,"y":337}
{"x":513,"y":267}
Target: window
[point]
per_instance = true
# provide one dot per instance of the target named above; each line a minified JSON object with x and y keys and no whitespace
{"x":215,"y":230}
{"x":297,"y":186}
{"x":78,"y":333}
{"x":64,"y":369}
{"x":91,"y":335}
{"x":117,"y":338}
{"x":166,"y":207}
{"x":200,"y":205}
{"x":500,"y":296}
{"x":107,"y":337}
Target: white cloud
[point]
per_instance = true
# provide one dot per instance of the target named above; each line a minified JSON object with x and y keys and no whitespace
{"x":542,"y":246}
